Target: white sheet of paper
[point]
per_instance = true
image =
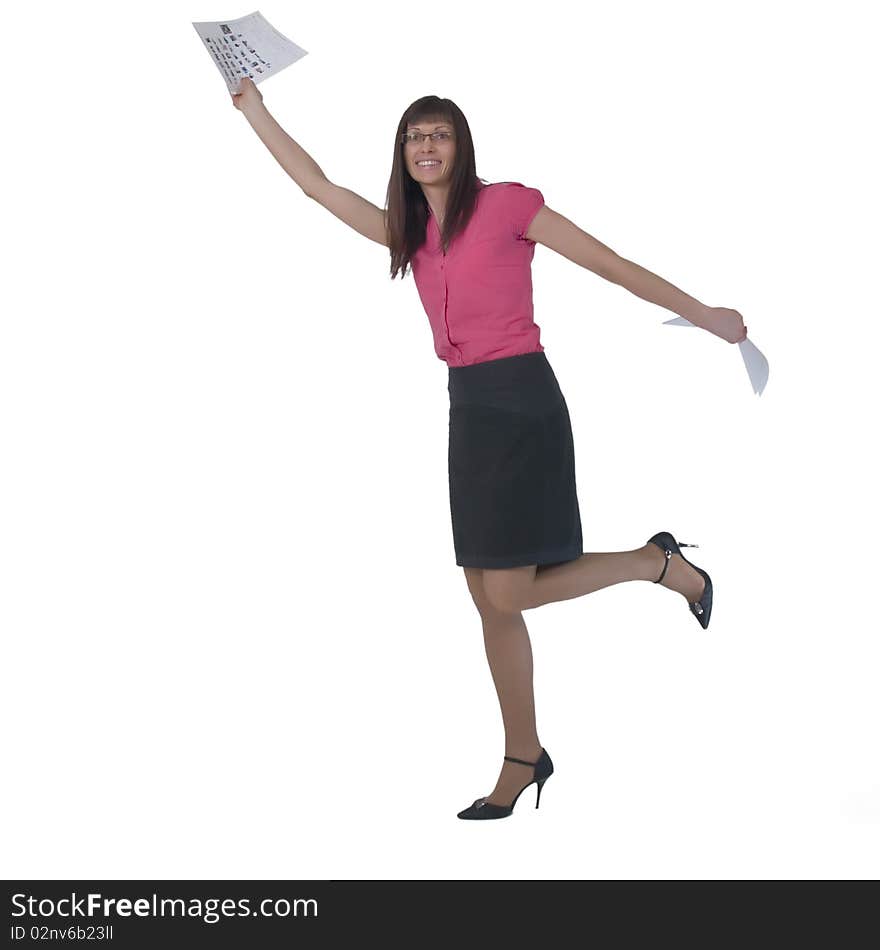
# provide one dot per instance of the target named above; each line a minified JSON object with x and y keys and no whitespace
{"x":756,"y":363}
{"x":249,"y":46}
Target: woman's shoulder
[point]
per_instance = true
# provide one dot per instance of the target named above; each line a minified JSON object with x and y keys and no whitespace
{"x":499,"y":186}
{"x":504,"y":190}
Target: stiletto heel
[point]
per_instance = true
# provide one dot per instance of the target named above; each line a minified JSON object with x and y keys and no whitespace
{"x":540,"y":786}
{"x":484,"y":809}
{"x":702,"y":608}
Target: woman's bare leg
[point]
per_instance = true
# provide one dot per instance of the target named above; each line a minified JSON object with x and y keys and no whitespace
{"x":509,"y":652}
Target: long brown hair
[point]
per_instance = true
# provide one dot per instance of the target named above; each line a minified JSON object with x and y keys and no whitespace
{"x":406,"y":203}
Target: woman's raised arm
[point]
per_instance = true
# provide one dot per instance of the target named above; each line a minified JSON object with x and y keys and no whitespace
{"x":349,"y":207}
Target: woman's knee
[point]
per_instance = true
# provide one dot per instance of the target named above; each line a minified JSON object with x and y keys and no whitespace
{"x":495,"y":593}
{"x":474,"y":577}
{"x":506,"y":588}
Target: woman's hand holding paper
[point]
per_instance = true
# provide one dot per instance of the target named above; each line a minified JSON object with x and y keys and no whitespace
{"x":249,"y":97}
{"x":728,"y":324}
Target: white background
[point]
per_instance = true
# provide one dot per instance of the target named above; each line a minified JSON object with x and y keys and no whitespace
{"x":235,"y":640}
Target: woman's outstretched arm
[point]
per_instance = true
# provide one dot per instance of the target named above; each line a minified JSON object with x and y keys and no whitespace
{"x":293,"y":158}
{"x":346,"y":205}
{"x":551,"y":229}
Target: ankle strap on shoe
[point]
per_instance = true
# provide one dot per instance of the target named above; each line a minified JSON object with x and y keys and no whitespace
{"x":668,"y":553}
{"x":510,"y":758}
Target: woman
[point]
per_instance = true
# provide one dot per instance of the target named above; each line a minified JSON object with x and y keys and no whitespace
{"x":513,"y":499}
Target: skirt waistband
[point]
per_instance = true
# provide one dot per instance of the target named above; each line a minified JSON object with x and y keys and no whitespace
{"x":524,"y":383}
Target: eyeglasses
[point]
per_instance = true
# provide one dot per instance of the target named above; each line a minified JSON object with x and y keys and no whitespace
{"x":409,"y":137}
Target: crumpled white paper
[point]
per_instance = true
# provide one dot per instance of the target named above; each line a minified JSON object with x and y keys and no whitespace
{"x":249,"y":46}
{"x":756,"y":363}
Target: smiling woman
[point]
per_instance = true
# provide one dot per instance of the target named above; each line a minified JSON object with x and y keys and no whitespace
{"x":430,"y":130}
{"x":513,"y":497}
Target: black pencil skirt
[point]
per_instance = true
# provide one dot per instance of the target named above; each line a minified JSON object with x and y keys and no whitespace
{"x":512,"y":490}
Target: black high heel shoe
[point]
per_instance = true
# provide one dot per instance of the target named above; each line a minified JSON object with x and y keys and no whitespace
{"x":702,"y":608}
{"x":483,"y":809}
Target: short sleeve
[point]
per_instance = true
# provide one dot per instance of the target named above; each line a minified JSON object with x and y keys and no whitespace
{"x":521,"y":204}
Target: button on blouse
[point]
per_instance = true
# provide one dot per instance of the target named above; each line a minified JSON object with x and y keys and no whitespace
{"x":478,"y":296}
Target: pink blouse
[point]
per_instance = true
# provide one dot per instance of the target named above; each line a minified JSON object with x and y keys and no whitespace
{"x":478,"y":296}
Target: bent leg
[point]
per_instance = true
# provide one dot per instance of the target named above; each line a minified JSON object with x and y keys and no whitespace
{"x":522,"y":588}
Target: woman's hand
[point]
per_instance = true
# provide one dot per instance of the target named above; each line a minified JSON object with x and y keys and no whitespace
{"x":728,"y":324}
{"x":249,"y":97}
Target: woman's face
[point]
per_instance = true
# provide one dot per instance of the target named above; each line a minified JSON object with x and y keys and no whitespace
{"x":439,"y":150}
